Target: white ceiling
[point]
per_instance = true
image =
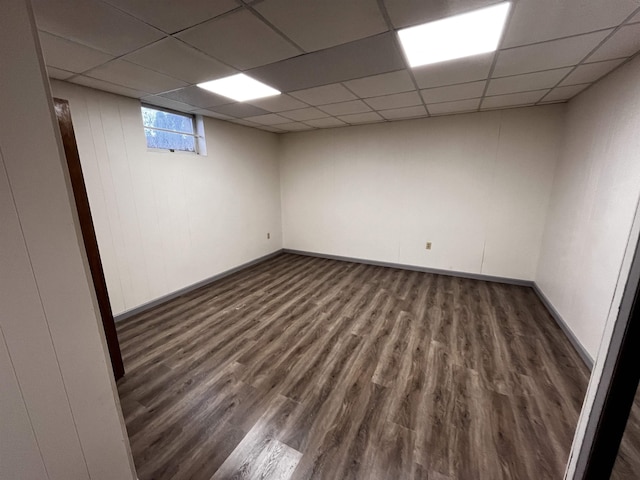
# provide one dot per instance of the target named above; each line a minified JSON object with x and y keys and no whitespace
{"x":338,"y":62}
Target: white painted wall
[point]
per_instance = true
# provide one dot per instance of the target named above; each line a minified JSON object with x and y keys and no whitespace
{"x":59,"y":413}
{"x":477,"y":186}
{"x":164,"y":220}
{"x":595,"y":193}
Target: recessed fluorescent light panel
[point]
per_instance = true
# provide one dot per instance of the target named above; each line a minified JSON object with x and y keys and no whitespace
{"x":239,"y":87}
{"x":459,"y":36}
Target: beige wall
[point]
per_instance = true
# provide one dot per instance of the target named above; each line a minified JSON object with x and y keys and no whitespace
{"x":595,"y":194}
{"x":59,"y":413}
{"x":476,"y":186}
{"x":165,"y":220}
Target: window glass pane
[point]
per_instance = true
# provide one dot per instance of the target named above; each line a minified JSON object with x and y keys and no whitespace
{"x":167,"y":120}
{"x":169,"y":140}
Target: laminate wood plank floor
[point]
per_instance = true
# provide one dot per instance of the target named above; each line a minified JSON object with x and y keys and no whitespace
{"x":308,"y":368}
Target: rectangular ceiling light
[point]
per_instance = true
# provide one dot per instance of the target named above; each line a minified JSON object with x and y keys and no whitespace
{"x":239,"y":87}
{"x":470,"y":33}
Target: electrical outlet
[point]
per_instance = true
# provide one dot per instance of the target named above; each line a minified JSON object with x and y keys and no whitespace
{"x":268,"y":236}
{"x":428,"y":247}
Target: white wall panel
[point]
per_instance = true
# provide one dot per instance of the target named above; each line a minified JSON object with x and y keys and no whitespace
{"x":165,"y":221}
{"x":49,"y":315}
{"x":594,"y":197}
{"x":475,"y":185}
{"x":30,"y":344}
{"x":19,"y":453}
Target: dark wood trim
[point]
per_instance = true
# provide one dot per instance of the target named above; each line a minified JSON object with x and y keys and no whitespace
{"x":63,"y":114}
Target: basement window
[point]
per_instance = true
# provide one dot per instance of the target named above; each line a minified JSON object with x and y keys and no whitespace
{"x":168,"y":130}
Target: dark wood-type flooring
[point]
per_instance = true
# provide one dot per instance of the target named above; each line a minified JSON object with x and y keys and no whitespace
{"x":309,"y":368}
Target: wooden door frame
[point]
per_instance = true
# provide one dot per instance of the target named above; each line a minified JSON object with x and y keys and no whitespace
{"x":63,"y":114}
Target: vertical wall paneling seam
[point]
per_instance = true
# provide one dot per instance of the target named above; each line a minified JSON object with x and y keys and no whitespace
{"x":279,"y":150}
{"x":117,"y":207}
{"x":559,"y":153}
{"x":490,"y":192}
{"x":156,"y":210}
{"x":101,"y":175}
{"x":46,"y":321}
{"x":136,"y":208}
{"x":110,"y":176}
{"x":35,"y":437}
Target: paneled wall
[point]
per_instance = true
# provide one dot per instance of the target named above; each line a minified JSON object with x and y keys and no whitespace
{"x":476,"y":186}
{"x":595,"y":195}
{"x":165,"y":220}
{"x":59,"y":412}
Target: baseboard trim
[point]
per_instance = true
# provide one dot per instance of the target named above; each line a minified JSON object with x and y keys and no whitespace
{"x":584,"y":355}
{"x":586,"y":358}
{"x":170,"y":296}
{"x":402,"y":266}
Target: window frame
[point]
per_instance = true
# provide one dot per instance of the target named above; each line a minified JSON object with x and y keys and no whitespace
{"x":194,"y":126}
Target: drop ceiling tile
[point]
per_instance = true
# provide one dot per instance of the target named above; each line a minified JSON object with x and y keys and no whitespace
{"x":171,"y":17}
{"x":107,"y":86}
{"x":361,"y":58}
{"x":71,"y":56}
{"x":398,"y":100}
{"x":590,"y":72}
{"x":268,"y":119}
{"x":460,"y":106}
{"x":360,"y":118}
{"x":198,"y":97}
{"x":95,"y":24}
{"x":294,"y":127}
{"x":270,"y":128}
{"x":303,"y":114}
{"x":564,"y":93}
{"x":404,"y":13}
{"x":526,"y":82}
{"x":548,"y":55}
{"x":240,"y":110}
{"x":53,"y":72}
{"x":326,"y":94}
{"x":240,"y":40}
{"x":453,"y":92}
{"x":319,"y":24}
{"x":512,"y":100}
{"x":624,"y":43}
{"x":407,"y":112}
{"x":277,"y":103}
{"x":133,"y":76}
{"x":211,"y":113}
{"x":462,"y":70}
{"x":346,"y":108}
{"x":159,"y":101}
{"x":540,"y":20}
{"x":246,"y":123}
{"x":385,"y":84}
{"x":178,"y":60}
{"x":325,"y":122}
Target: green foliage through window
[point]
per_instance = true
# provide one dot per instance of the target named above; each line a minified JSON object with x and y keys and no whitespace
{"x":168,"y":130}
